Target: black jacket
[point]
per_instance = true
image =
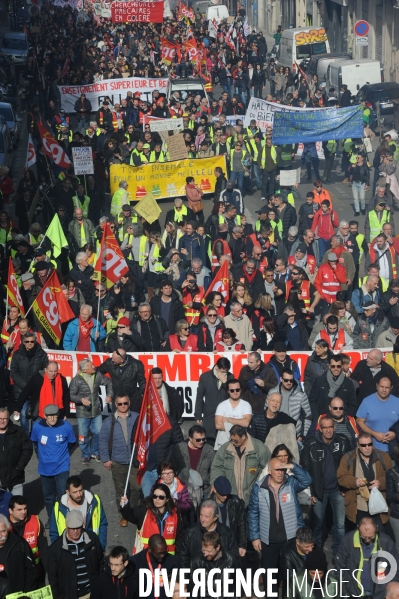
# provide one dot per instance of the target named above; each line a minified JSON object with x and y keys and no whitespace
{"x":15,"y":454}
{"x":226,"y":560}
{"x":62,"y":569}
{"x":85,"y":105}
{"x":288,"y":217}
{"x":345,"y":99}
{"x":176,"y":311}
{"x":313,"y":459}
{"x":290,"y":560}
{"x":107,"y":586}
{"x":209,"y":396}
{"x":162,"y":449}
{"x":19,"y":567}
{"x":367,"y":383}
{"x":392,"y":491}
{"x":319,"y":400}
{"x":25,"y":364}
{"x":190,"y":546}
{"x":83,"y":281}
{"x":255,"y":287}
{"x":130,"y":343}
{"x":31,"y":393}
{"x":176,"y":402}
{"x":129,"y":380}
{"x":220,"y":186}
{"x":237,"y":518}
{"x":153,"y":332}
{"x":314,"y":368}
{"x":361,"y":173}
{"x":259,"y":427}
{"x":169,"y":564}
{"x":205,"y":342}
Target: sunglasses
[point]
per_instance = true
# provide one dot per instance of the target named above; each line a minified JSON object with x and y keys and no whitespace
{"x":365,"y":444}
{"x":295,"y":273}
{"x":124,"y":403}
{"x":288,"y":380}
{"x":26,"y":342}
{"x":234,"y":390}
{"x":337,"y":408}
{"x":212,"y":315}
{"x":121,"y":326}
{"x":185,"y":328}
{"x":159,"y":496}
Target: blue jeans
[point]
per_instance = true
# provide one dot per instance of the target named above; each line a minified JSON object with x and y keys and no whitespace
{"x":53,"y":488}
{"x":338,"y":508}
{"x":149,"y":480}
{"x":257,"y":175}
{"x":239,"y":177}
{"x":85,"y":425}
{"x":25,"y":424}
{"x":324,"y":245}
{"x":359,"y":195}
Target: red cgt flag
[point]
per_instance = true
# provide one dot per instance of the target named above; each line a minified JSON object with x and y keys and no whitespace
{"x":152,"y":423}
{"x":52,"y":148}
{"x":221,"y":283}
{"x":51,"y":308}
{"x":14,"y":296}
{"x":111,"y":264}
{"x":168,"y":50}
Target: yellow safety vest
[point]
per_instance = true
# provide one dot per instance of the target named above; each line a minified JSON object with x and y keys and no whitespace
{"x":332,"y":146}
{"x":348,"y":145}
{"x":33,"y":239}
{"x":153,"y":158}
{"x":157,"y":265}
{"x":291,"y":199}
{"x":121,"y":235}
{"x":179,"y":216}
{"x":384,"y":283}
{"x":244,"y":153}
{"x":359,"y":241}
{"x":375,"y":224}
{"x":116,"y":202}
{"x":95,"y":517}
{"x":85,"y":207}
{"x":273,"y":154}
{"x":142,"y":250}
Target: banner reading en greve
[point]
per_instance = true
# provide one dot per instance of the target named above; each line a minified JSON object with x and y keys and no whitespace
{"x":166,"y":179}
{"x":182,"y":371}
{"x":116,"y":89}
{"x":138,"y":12}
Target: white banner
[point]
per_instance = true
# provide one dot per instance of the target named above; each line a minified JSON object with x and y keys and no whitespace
{"x":290,"y":177}
{"x":116,"y":89}
{"x":183,"y":370}
{"x":166,"y":125}
{"x":83,"y":160}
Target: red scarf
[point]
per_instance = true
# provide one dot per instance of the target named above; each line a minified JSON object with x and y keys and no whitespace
{"x":85,"y":327}
{"x":46,"y":394}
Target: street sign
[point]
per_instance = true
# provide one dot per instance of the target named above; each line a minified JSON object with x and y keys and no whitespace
{"x":362,"y":28}
{"x":362,"y":41}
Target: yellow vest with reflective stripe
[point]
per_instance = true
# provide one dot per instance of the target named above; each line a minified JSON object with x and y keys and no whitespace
{"x":142,"y":249}
{"x":157,"y":265}
{"x":244,"y":153}
{"x":376,"y":224}
{"x":95,"y":517}
{"x":332,"y":146}
{"x":273,"y":155}
{"x":359,"y":241}
{"x":116,"y":202}
{"x":121,"y":218}
{"x":384,"y":283}
{"x":348,"y":144}
{"x":33,"y":240}
{"x":291,"y":199}
{"x":85,"y":207}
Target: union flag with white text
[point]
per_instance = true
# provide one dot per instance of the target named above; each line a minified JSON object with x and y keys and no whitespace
{"x":14,"y":296}
{"x":151,"y":424}
{"x":221,"y":283}
{"x":111,"y":264}
{"x":51,"y":308}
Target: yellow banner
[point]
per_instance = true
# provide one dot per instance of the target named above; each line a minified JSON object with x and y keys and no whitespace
{"x":166,"y":179}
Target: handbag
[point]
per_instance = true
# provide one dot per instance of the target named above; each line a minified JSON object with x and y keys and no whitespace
{"x":367,"y":145}
{"x":145,"y":266}
{"x":196,"y":206}
{"x":377,"y":503}
{"x":138,"y":543}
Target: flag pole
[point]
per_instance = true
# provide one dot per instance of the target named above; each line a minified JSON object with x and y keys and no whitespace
{"x":130,"y":469}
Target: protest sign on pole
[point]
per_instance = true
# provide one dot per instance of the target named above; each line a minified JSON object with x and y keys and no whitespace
{"x":116,"y":89}
{"x":83,"y":161}
{"x":148,"y":208}
{"x":177,"y":148}
{"x":137,"y":12}
{"x":166,"y":125}
{"x":290,"y":177}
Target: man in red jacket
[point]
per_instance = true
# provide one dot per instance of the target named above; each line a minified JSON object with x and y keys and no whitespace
{"x":325,"y":221}
{"x":329,"y":280}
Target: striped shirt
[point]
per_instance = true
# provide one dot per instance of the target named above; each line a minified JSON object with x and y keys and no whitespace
{"x":78,"y":552}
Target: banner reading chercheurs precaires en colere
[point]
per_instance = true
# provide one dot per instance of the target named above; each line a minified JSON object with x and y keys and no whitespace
{"x":166,"y":179}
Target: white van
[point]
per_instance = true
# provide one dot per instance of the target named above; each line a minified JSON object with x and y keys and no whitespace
{"x":302,"y":43}
{"x":353,"y":73}
{"x":217,"y":12}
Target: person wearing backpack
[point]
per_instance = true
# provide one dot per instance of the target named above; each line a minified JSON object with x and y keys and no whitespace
{"x":360,"y":471}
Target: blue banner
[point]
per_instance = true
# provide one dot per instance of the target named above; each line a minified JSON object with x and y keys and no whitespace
{"x":318,"y":125}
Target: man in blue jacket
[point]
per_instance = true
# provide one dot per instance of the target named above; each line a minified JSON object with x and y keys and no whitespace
{"x":77,"y":498}
{"x":116,"y":444}
{"x":84,"y":333}
{"x":274,"y":513}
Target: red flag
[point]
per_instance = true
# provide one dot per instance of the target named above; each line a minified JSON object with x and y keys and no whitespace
{"x":190,"y":47}
{"x":168,"y":50}
{"x":228,"y":39}
{"x":221,"y":283}
{"x":51,"y":307}
{"x":111,"y":264}
{"x":302,"y":72}
{"x":152,"y":423}
{"x":14,"y":296}
{"x":52,"y":148}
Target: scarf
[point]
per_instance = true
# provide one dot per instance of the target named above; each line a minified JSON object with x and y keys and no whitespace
{"x":249,"y":277}
{"x":334,"y":384}
{"x":212,"y":328}
{"x":50,"y":394}
{"x":85,"y":327}
{"x":172,"y":488}
{"x":302,"y":262}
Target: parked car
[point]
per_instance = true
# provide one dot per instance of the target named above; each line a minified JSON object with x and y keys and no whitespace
{"x":384,"y":93}
{"x":16,"y":46}
{"x":184,"y":86}
{"x":13,"y":122}
{"x":6,"y":150}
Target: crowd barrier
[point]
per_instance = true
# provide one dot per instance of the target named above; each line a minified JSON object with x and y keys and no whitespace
{"x":183,"y":370}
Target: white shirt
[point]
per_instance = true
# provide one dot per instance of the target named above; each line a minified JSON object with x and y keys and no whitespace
{"x":226,"y":409}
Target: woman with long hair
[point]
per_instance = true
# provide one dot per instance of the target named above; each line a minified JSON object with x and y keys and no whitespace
{"x":241,"y":294}
{"x":263,"y":308}
{"x":268,"y":335}
{"x":215,"y":299}
{"x":215,"y":219}
{"x":317,"y":364}
{"x":183,"y":340}
{"x":170,"y":237}
{"x":345,"y":318}
{"x":156,"y":514}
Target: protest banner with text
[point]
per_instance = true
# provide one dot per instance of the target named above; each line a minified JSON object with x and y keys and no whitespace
{"x":137,"y":12}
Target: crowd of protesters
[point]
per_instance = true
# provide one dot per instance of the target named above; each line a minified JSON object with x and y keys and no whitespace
{"x":231,"y":495}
